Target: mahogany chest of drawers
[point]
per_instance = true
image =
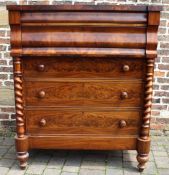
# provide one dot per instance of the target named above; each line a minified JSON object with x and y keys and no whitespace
{"x":83,"y":77}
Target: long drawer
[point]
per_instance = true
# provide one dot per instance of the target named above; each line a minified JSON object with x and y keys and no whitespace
{"x":73,"y":92}
{"x":68,"y":121}
{"x":83,"y":67}
{"x":75,"y":36}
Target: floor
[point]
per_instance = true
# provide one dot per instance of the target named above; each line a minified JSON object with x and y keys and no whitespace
{"x":53,"y":162}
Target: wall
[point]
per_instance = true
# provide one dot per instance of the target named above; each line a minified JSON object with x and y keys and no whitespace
{"x":160,"y":107}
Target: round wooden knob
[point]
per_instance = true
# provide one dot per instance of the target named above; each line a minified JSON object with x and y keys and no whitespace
{"x":42,"y":122}
{"x":126,"y":68}
{"x":124,"y":95}
{"x":41,"y":94}
{"x":122,"y":123}
{"x":41,"y":67}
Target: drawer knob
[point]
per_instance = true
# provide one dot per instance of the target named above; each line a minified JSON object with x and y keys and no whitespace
{"x":122,"y":124}
{"x":41,"y":67}
{"x":41,"y":94}
{"x":42,"y":122}
{"x":126,"y":68}
{"x":124,"y":95}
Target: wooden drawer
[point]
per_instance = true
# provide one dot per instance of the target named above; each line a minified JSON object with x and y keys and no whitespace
{"x":117,"y":122}
{"x":76,"y":36}
{"x":84,"y":67}
{"x":73,"y":92}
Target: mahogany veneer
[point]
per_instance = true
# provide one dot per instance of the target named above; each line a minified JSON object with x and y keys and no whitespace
{"x":83,"y":77}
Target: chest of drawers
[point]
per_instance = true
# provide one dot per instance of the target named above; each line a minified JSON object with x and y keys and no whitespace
{"x":83,"y":77}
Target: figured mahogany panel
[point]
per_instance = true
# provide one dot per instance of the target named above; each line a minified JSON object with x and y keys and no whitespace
{"x":78,"y":93}
{"x":80,"y":122}
{"x":83,"y":52}
{"x":58,"y":36}
{"x":84,"y":67}
{"x":85,"y":17}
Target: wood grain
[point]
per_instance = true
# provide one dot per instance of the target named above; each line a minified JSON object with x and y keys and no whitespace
{"x":98,"y":17}
{"x":82,"y":52}
{"x":82,"y":7}
{"x":84,"y":67}
{"x":57,"y":36}
{"x":83,"y":142}
{"x":84,"y":93}
{"x":95,"y":123}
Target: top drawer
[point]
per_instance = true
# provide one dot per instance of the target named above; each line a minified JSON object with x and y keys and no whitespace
{"x":84,"y":29}
{"x":85,"y":37}
{"x":83,"y":67}
{"x":82,"y":16}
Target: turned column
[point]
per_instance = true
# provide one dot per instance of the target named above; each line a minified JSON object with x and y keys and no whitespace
{"x":143,"y":144}
{"x":21,"y":138}
{"x":16,"y":52}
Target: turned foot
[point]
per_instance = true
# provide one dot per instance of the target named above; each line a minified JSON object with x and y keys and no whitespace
{"x":22,"y":157}
{"x":142,"y":159}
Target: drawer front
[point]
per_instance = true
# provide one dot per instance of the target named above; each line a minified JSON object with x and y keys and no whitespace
{"x":75,"y":36}
{"x":48,"y":121}
{"x":84,"y":67}
{"x":99,"y":93}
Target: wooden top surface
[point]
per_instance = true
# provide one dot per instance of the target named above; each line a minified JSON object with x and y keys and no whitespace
{"x":139,"y":8}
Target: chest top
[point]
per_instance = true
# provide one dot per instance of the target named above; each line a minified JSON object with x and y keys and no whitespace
{"x":84,"y":30}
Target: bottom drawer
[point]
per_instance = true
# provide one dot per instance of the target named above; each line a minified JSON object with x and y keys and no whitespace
{"x":83,"y":123}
